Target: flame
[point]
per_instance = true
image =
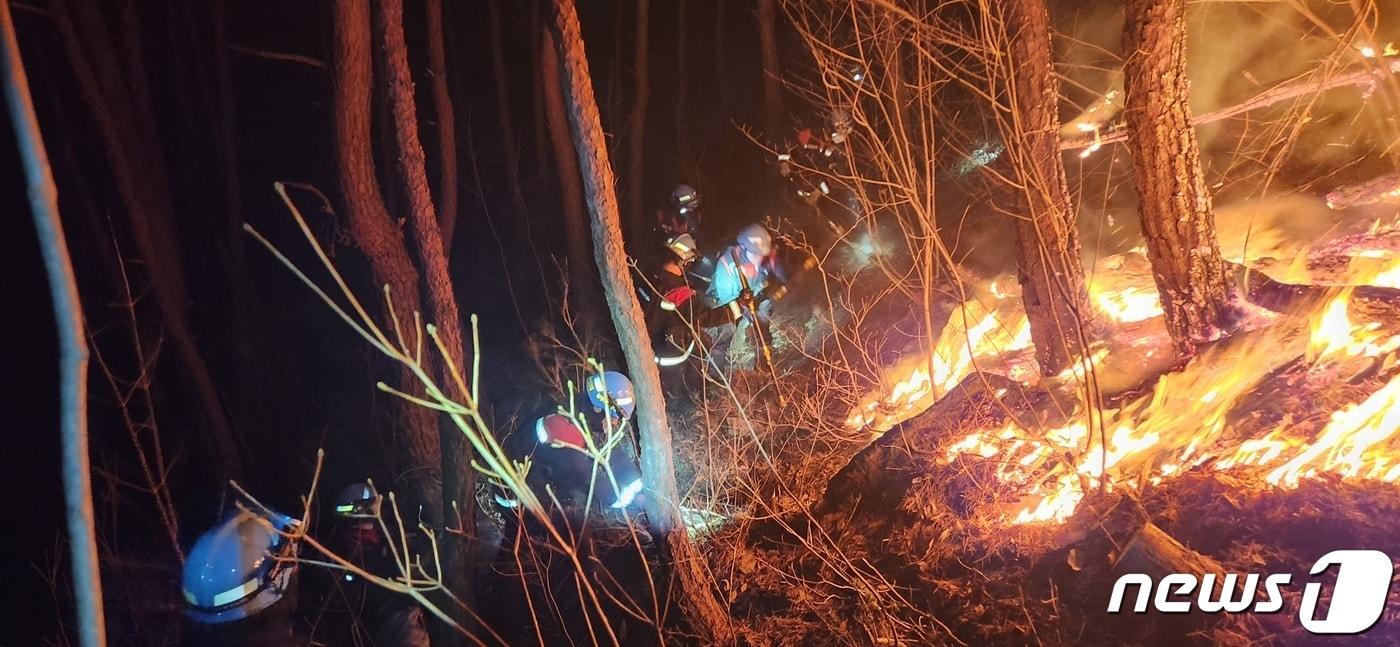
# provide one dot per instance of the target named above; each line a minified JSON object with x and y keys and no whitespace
{"x":1334,"y":335}
{"x":1121,"y":287}
{"x":978,"y":334}
{"x":1184,"y":423}
{"x":1130,"y":304}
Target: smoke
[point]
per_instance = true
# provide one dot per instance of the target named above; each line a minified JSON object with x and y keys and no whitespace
{"x":1268,"y":168}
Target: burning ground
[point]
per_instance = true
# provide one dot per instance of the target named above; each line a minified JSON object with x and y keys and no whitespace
{"x":963,"y":499}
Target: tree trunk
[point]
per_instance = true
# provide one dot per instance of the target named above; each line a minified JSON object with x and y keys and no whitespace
{"x":458,"y":478}
{"x":375,"y":232}
{"x":707,"y":616}
{"x":772,"y":91}
{"x":139,"y":175}
{"x":1173,"y":202}
{"x":503,"y":107}
{"x":447,"y":127}
{"x":539,"y":56}
{"x":1047,"y":243}
{"x":581,"y":270}
{"x":71,"y":338}
{"x":641,"y":96}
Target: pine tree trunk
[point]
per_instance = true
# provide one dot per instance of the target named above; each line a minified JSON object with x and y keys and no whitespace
{"x":447,"y":127}
{"x":503,"y":106}
{"x":641,"y":96}
{"x":1047,"y":243}
{"x":1173,"y":202}
{"x":581,"y":269}
{"x":707,"y":616}
{"x":375,"y":232}
{"x":458,"y":478}
{"x":539,"y":56}
{"x":772,"y":91}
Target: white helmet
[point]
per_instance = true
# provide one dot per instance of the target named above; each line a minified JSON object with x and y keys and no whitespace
{"x":755,"y":240}
{"x":683,"y":246}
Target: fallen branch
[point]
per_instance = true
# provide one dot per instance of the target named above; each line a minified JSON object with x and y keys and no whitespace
{"x":1272,"y":96}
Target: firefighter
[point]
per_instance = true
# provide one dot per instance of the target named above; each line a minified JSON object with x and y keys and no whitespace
{"x":390,"y":618}
{"x":562,"y":462}
{"x":748,"y":280}
{"x":748,"y":269}
{"x":239,"y":581}
{"x":669,"y":299}
{"x":682,"y":215}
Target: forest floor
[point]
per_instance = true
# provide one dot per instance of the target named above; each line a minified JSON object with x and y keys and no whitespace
{"x":1270,"y":448}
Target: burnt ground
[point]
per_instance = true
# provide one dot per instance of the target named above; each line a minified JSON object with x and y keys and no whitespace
{"x":937,"y":564}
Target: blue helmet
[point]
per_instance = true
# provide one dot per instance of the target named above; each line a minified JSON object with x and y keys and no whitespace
{"x":612,"y":390}
{"x":755,"y":240}
{"x":233,"y":570}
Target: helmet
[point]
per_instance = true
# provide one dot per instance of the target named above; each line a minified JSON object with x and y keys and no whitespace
{"x":234,"y":571}
{"x":683,"y":246}
{"x":612,"y":390}
{"x":840,"y":123}
{"x":359,"y":501}
{"x":558,"y":430}
{"x":755,"y":240}
{"x":854,"y":71}
{"x":685,"y":198}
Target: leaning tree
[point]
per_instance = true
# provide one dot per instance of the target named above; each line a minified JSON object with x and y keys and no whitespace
{"x":707,"y":616}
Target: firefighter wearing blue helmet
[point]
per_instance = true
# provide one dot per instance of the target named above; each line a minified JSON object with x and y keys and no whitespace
{"x":239,"y":580}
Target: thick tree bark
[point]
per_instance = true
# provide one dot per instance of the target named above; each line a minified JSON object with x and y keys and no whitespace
{"x":707,"y":616}
{"x":1047,"y":243}
{"x":1173,"y":202}
{"x":71,"y":338}
{"x":375,"y":232}
{"x":458,"y":477}
{"x":447,"y":127}
{"x":641,"y":96}
{"x":772,"y":91}
{"x":582,"y":271}
{"x":139,"y":174}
